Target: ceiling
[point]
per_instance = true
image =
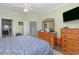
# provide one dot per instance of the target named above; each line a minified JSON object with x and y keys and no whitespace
{"x":36,"y":8}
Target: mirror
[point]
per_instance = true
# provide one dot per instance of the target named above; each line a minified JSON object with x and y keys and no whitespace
{"x":48,"y":23}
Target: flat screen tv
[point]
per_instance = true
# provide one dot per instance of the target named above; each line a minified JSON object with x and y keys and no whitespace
{"x":70,"y":15}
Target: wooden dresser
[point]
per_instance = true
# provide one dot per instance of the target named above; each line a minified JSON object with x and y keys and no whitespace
{"x":50,"y":38}
{"x":70,"y":41}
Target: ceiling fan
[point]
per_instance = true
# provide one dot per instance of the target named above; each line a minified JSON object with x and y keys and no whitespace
{"x":27,"y":7}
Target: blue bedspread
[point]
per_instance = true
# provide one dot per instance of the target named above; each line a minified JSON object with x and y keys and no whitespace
{"x":24,"y":45}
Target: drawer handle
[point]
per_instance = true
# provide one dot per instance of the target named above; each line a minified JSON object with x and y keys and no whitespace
{"x":65,"y":45}
{"x":65,"y":35}
{"x":65,"y":40}
{"x":65,"y":50}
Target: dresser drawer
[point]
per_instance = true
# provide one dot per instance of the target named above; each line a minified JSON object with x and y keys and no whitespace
{"x":75,"y":50}
{"x":66,"y":31}
{"x":67,"y":51}
{"x":74,"y":31}
{"x":70,"y":36}
{"x":74,"y":35}
{"x":71,"y":48}
{"x":70,"y":40}
{"x":67,"y":36}
{"x":72,"y":43}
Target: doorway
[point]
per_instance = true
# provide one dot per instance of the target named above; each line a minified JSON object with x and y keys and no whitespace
{"x":6,"y":28}
{"x":33,"y":28}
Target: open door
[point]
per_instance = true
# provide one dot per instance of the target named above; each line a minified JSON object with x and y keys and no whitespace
{"x":33,"y":28}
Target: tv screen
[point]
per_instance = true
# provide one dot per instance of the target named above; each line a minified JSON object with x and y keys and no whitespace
{"x":70,"y":15}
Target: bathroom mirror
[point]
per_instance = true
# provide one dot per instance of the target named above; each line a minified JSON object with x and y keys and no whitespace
{"x":48,"y":23}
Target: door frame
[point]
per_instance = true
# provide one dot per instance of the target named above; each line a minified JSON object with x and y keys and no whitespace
{"x":12,"y":31}
{"x":30,"y":26}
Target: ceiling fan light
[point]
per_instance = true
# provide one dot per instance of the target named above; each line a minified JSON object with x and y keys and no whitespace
{"x":26,"y":10}
{"x":29,"y":8}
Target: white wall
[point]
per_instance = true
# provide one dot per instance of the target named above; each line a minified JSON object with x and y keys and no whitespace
{"x":26,"y":27}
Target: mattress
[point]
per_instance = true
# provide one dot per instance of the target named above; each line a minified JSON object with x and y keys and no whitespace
{"x":24,"y":45}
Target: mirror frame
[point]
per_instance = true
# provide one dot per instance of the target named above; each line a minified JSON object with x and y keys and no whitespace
{"x":46,"y":21}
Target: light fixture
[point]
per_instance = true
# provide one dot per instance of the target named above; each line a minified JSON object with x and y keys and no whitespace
{"x":27,"y":7}
{"x":26,"y":10}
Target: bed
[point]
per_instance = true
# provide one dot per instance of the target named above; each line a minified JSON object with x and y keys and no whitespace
{"x":24,"y":45}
